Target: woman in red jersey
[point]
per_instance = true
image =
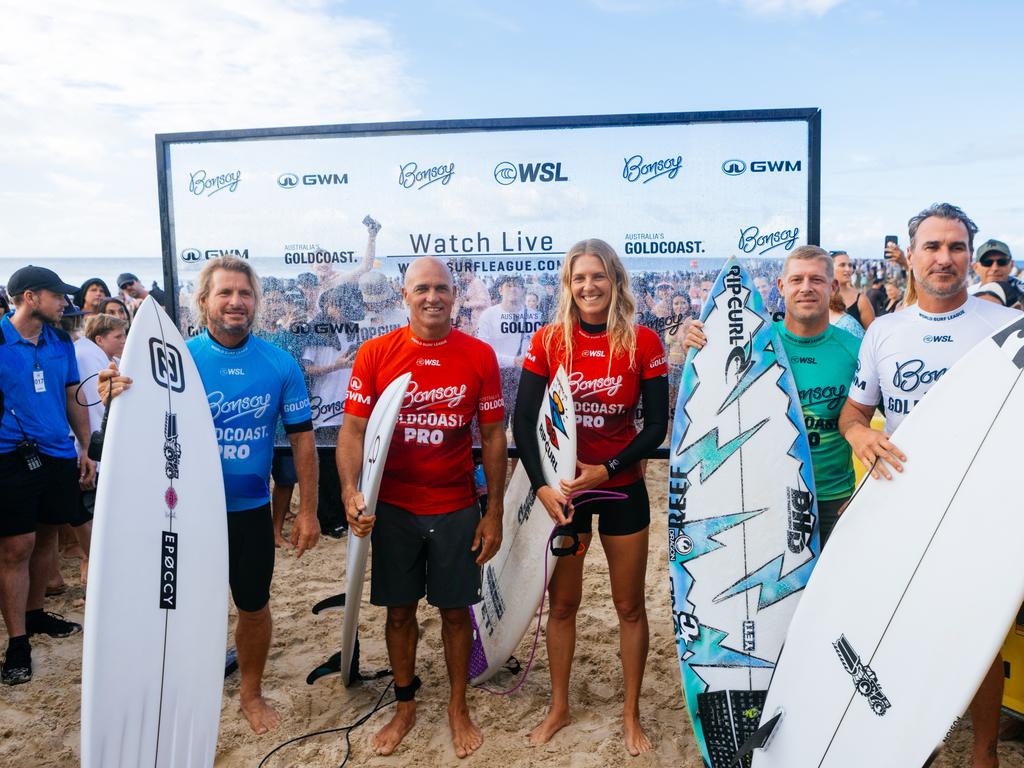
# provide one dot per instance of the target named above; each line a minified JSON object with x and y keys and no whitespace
{"x":613,"y":366}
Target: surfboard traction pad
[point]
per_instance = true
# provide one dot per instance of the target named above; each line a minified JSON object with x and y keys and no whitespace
{"x":727,"y":719}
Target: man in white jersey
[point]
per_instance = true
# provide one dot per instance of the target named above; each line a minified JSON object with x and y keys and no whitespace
{"x":902,"y":356}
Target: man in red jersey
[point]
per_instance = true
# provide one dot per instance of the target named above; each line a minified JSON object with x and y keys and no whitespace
{"x":428,"y":536}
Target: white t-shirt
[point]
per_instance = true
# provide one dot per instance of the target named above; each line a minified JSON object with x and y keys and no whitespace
{"x":91,"y":360}
{"x":905,"y":353}
{"x":327,"y":391}
{"x":508,"y":331}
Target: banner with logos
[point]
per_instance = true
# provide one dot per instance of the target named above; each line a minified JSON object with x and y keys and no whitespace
{"x":331,"y":217}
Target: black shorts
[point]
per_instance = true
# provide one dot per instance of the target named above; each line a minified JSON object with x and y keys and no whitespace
{"x":417,"y":555}
{"x":28,"y":498}
{"x":86,"y":508}
{"x":828,"y":516}
{"x":250,"y":557}
{"x":282,"y":468}
{"x":617,"y":517}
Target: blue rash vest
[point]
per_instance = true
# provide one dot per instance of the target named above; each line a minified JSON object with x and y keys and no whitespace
{"x":248,"y":388}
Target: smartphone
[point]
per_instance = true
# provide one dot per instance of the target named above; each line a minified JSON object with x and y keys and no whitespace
{"x":894,"y":239}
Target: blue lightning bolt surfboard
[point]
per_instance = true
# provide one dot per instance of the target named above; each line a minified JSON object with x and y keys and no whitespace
{"x":742,"y":525}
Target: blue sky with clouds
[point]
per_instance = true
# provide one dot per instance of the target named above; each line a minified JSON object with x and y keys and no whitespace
{"x":918,"y":99}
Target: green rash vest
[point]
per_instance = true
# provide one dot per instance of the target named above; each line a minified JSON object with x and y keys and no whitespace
{"x":823,"y":367}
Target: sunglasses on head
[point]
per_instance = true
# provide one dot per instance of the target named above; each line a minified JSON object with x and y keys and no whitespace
{"x":988,"y":261}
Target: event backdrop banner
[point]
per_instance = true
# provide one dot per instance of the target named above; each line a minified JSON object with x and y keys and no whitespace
{"x":331,"y":216}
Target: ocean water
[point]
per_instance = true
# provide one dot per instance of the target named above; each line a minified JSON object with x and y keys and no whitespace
{"x":77,"y":270}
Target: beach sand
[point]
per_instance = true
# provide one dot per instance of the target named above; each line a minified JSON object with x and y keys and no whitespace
{"x":39,"y":722}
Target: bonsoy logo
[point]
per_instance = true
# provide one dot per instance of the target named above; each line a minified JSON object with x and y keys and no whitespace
{"x":201,"y":183}
{"x":166,"y":365}
{"x":293,"y":180}
{"x":192,"y":255}
{"x":506,"y":173}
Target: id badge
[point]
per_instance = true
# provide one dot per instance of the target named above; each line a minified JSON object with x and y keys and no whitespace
{"x":39,"y":380}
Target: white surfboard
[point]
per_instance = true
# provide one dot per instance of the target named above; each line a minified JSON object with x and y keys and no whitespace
{"x":376,"y":443}
{"x":742,"y":518}
{"x":156,"y":616}
{"x":908,"y":607}
{"x":513,"y":580}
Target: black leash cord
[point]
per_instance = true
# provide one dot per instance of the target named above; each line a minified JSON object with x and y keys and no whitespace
{"x":346,"y":729}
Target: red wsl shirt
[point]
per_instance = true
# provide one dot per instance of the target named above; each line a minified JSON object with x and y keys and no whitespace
{"x":429,"y":470}
{"x":605,"y":393}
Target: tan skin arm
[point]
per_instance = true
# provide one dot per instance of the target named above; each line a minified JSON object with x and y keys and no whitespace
{"x":873,"y":448}
{"x":348,"y":455}
{"x":867,"y":312}
{"x":78,"y":418}
{"x":306,"y":529}
{"x":494,"y":454}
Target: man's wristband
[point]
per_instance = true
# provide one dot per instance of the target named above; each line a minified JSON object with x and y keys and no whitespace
{"x":612,"y":466}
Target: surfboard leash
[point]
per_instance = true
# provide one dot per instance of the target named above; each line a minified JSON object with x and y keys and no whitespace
{"x":556,"y":532}
{"x":346,"y":729}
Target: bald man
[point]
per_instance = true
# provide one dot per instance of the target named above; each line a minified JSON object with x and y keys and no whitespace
{"x":428,"y":537}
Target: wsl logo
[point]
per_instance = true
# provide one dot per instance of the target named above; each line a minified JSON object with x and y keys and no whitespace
{"x":736,"y":167}
{"x":506,"y":173}
{"x":293,"y":180}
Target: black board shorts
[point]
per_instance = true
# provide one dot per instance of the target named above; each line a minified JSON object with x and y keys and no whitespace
{"x":250,"y":557}
{"x":49,"y":495}
{"x":417,"y":555}
{"x":616,"y":517}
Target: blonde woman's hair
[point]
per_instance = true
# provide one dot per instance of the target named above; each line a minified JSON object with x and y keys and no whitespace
{"x":621,"y":310}
{"x":204,"y":283}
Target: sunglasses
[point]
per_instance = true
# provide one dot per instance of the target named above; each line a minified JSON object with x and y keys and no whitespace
{"x":122,"y":286}
{"x":988,"y":261}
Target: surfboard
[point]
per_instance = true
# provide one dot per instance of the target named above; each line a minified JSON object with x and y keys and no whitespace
{"x":742,"y":516}
{"x":376,"y":443}
{"x":1013,"y":667}
{"x":513,"y":580}
{"x":938,"y":548}
{"x":156,"y":617}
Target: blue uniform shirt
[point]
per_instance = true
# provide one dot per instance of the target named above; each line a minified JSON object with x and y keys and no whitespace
{"x":248,"y":387}
{"x":43,"y":415}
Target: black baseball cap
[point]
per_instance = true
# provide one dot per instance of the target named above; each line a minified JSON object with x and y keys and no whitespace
{"x":33,"y":278}
{"x":125,"y":277}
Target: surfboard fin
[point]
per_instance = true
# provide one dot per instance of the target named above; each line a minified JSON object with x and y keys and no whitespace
{"x":333,"y":666}
{"x":330,"y":603}
{"x":759,"y":739}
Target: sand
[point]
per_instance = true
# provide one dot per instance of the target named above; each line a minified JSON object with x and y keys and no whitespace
{"x":39,"y":722}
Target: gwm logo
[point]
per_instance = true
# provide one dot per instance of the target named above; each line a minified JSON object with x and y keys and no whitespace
{"x":166,"y":364}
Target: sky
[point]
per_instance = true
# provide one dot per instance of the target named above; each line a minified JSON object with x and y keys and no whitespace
{"x":916,"y":97}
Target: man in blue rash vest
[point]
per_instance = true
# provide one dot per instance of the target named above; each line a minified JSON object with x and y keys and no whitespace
{"x":249,"y":383}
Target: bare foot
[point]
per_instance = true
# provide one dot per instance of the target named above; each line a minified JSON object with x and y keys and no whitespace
{"x":635,"y":738}
{"x":387,"y":739}
{"x":261,"y":716}
{"x":555,"y":721}
{"x":279,"y":540}
{"x":83,"y":572}
{"x":466,"y":737}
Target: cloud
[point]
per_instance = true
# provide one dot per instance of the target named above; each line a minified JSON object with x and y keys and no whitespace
{"x":87,"y":85}
{"x":788,"y":7}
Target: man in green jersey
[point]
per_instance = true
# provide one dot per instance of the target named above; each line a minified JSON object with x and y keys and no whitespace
{"x":823,"y":359}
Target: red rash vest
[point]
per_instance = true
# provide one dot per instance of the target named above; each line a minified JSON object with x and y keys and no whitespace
{"x":429,"y":470}
{"x":605,"y":397}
